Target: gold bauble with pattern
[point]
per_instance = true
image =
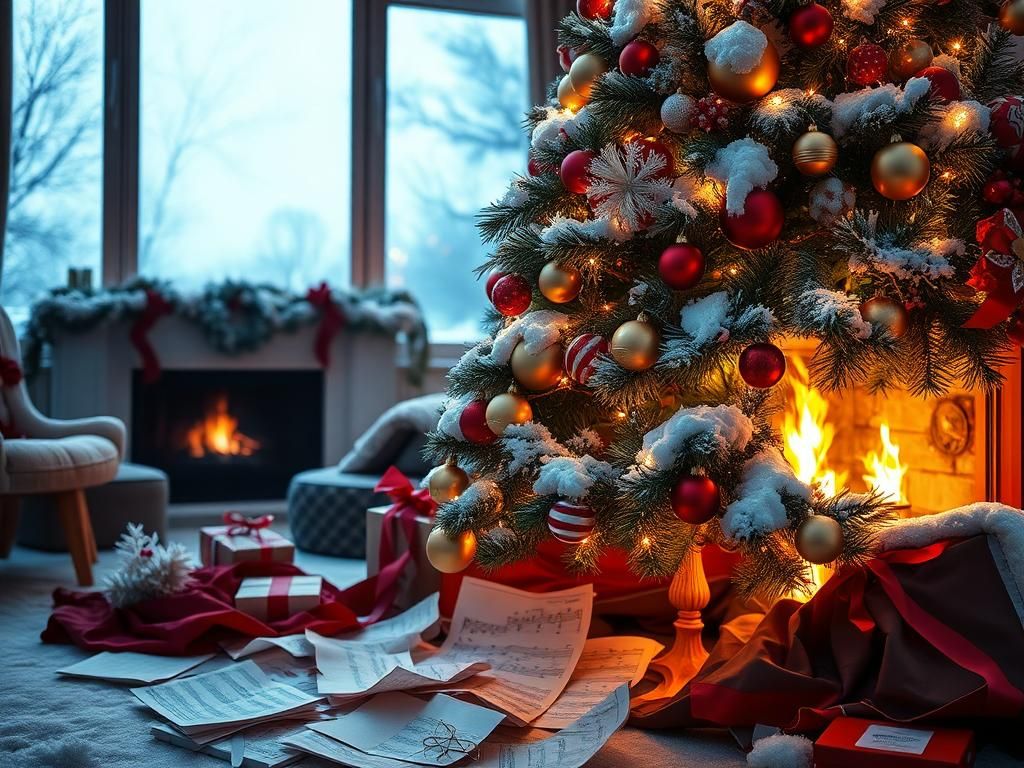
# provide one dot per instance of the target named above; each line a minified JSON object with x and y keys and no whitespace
{"x":815,"y":153}
{"x":584,"y":72}
{"x":1011,"y":17}
{"x":559,"y":284}
{"x":536,"y":371}
{"x":568,"y":97}
{"x":505,"y":409}
{"x":909,"y":58}
{"x":742,"y":87}
{"x":819,"y":539}
{"x":635,"y":345}
{"x":447,"y":482}
{"x":450,"y":554}
{"x":900,"y":170}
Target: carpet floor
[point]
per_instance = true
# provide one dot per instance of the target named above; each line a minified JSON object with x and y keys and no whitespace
{"x":48,"y":721}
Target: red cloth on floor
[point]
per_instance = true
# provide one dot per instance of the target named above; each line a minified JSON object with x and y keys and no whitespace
{"x":193,"y":621}
{"x":928,"y":633}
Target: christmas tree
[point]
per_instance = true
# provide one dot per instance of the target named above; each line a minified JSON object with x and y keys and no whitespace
{"x":708,"y":178}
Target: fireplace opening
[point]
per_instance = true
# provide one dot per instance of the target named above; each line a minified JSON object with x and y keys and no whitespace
{"x":228,"y":435}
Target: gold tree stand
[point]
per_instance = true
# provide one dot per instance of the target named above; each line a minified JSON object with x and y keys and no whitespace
{"x":689,"y":594}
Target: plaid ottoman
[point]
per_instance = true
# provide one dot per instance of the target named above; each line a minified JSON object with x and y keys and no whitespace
{"x":327,"y":511}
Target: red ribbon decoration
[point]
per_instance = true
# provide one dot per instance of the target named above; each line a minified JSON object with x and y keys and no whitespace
{"x":331,"y":321}
{"x":156,"y":307}
{"x":277,"y":598}
{"x":1000,"y":270}
{"x":246,"y":526}
{"x":408,"y":504}
{"x":10,"y":372}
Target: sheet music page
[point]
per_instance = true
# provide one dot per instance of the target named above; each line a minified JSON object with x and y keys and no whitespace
{"x":239,"y":693}
{"x":262,"y":743}
{"x":438,"y":731}
{"x":131,"y":667}
{"x":606,"y":663}
{"x":314,"y":743}
{"x":532,"y":642}
{"x":569,"y":748}
{"x":297,"y":645}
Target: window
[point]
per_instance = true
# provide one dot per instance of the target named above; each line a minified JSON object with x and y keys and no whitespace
{"x":54,"y":208}
{"x":456,"y":94}
{"x":245,"y":141}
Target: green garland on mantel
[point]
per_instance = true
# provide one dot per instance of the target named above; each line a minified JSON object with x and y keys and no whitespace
{"x":234,"y":316}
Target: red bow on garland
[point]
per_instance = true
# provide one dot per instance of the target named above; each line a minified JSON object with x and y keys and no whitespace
{"x":331,"y":321}
{"x":1000,"y":270}
{"x":156,"y":307}
{"x":246,"y":526}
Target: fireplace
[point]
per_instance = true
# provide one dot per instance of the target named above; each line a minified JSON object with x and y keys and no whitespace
{"x":237,"y":435}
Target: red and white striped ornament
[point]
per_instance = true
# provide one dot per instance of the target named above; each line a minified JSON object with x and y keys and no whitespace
{"x":570,"y":523}
{"x":581,"y":356}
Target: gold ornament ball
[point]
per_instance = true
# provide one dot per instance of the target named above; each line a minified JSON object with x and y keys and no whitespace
{"x":507,"y":409}
{"x":746,"y":86}
{"x":1011,"y":17}
{"x":900,"y":171}
{"x":909,"y":58}
{"x":584,"y":71}
{"x":883,"y":312}
{"x":568,"y":96}
{"x":635,"y":345}
{"x":447,"y":483}
{"x":819,"y":539}
{"x":450,"y":554}
{"x":559,"y":284}
{"x":539,"y":371}
{"x":815,"y":153}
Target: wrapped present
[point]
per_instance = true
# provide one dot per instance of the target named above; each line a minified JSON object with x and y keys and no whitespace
{"x":242,"y":539}
{"x":273,"y":598}
{"x":851,"y":742}
{"x":412,"y":584}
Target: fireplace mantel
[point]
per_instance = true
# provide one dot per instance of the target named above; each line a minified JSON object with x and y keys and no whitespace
{"x":91,"y":372}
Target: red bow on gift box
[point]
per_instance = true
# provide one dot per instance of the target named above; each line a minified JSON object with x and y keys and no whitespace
{"x":247,"y":526}
{"x":1000,"y":270}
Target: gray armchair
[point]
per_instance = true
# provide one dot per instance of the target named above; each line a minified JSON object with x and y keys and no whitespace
{"x":40,"y":455}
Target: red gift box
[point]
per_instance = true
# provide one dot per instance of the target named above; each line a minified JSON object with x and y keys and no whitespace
{"x":243,"y":539}
{"x":849,"y":742}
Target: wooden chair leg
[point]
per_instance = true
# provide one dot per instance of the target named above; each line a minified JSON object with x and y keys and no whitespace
{"x":74,"y":519}
{"x":10,"y":507}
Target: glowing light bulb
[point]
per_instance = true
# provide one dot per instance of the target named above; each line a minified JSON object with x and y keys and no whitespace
{"x":645,"y":542}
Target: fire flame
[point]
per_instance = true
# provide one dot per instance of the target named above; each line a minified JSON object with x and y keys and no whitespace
{"x":218,"y":433}
{"x":885,"y":473}
{"x":808,"y":435}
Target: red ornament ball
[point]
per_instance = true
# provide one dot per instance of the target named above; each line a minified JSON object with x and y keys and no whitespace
{"x":566,"y":56}
{"x":696,"y":499}
{"x":811,"y":26}
{"x":511,"y":295}
{"x":493,"y":278}
{"x":762,"y":365}
{"x":759,"y":225}
{"x":595,"y":9}
{"x":581,"y":356}
{"x":867,"y":64}
{"x":473,"y":423}
{"x":997,"y":191}
{"x":575,"y":171}
{"x":681,"y":266}
{"x":1015,"y":328}
{"x":1007,"y":124}
{"x":944,"y":83}
{"x":638,"y":58}
{"x":533,"y":167}
{"x":712,"y":113}
{"x":571,"y":523}
{"x":651,"y":145}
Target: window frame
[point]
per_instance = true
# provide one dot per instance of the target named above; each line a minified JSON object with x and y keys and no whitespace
{"x":369,"y":119}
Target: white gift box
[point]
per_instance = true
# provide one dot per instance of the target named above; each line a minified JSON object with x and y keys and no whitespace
{"x":272,"y":598}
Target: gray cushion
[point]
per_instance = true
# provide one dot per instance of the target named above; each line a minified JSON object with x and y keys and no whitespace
{"x":395,"y":438}
{"x":327,"y":511}
{"x":138,"y":494}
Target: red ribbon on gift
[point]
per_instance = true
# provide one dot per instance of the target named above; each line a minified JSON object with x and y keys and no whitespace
{"x":156,"y":307}
{"x":1000,"y":270}
{"x":331,"y":321}
{"x":277,"y":598}
{"x":408,"y":504}
{"x":247,"y":526}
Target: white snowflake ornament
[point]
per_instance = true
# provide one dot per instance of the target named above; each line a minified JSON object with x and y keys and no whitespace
{"x":629,"y":183}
